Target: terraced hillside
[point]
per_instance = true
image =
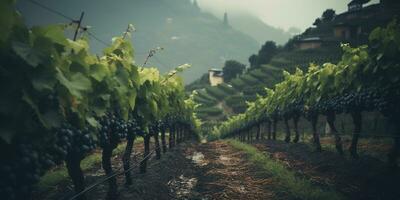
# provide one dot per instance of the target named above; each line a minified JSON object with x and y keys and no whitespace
{"x":219,"y":102}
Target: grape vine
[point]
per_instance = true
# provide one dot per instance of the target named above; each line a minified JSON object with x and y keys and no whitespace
{"x":365,"y":79}
{"x":60,"y":102}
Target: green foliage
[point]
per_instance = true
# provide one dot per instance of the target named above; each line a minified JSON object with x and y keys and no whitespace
{"x":216,"y":92}
{"x":237,"y":103}
{"x":328,"y":15}
{"x":249,"y":80}
{"x":365,"y":79}
{"x":49,"y":81}
{"x":210,"y":111}
{"x":232,"y":69}
{"x":238,"y":83}
{"x":203,"y":94}
{"x":203,"y":101}
{"x":253,"y":61}
{"x":228,"y":89}
{"x":265,"y":54}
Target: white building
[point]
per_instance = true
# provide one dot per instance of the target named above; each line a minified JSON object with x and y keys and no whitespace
{"x":215,"y":76}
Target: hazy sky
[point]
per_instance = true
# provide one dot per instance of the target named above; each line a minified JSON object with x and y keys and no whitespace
{"x":278,"y":13}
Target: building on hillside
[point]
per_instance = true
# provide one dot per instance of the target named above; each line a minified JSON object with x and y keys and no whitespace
{"x":352,"y":26}
{"x":355,"y":25}
{"x":355,"y":5}
{"x":308,"y":43}
{"x":215,"y":76}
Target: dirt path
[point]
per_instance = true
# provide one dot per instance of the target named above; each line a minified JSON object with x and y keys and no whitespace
{"x":363,"y":178}
{"x":215,"y":170}
{"x":192,"y":171}
{"x":202,"y":171}
{"x":227,"y":175}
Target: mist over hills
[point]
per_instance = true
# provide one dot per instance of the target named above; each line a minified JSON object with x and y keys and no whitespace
{"x":187,"y":34}
{"x":257,"y":29}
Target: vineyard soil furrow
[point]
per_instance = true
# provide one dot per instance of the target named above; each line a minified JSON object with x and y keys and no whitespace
{"x":228,"y":175}
{"x":213,"y":170}
{"x":363,"y":178}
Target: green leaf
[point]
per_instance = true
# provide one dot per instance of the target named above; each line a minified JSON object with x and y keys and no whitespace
{"x":132,"y":99}
{"x":30,"y":55}
{"x":92,"y":122}
{"x":53,"y":119}
{"x":98,"y":72}
{"x":148,"y":74}
{"x":53,"y":32}
{"x":76,"y":85}
{"x":27,"y":98}
{"x":43,"y":80}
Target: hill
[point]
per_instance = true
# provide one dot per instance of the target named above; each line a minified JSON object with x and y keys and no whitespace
{"x":187,"y":34}
{"x":257,"y":29}
{"x":227,"y":99}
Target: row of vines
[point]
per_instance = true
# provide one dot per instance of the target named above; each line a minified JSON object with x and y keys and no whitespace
{"x":59,"y":102}
{"x":367,"y":78}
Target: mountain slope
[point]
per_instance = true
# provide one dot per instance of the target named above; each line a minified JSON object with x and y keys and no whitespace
{"x":187,"y":34}
{"x":257,"y":29}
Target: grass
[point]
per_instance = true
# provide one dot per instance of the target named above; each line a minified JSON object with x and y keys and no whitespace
{"x":60,"y":173}
{"x":297,"y":187}
{"x":212,"y":111}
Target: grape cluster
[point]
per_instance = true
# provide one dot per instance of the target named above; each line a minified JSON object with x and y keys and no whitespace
{"x":366,"y":99}
{"x":21,"y":171}
{"x":293,"y":108}
{"x":113,"y":129}
{"x":24,"y":163}
{"x":363,"y":100}
{"x":133,"y":126}
{"x":70,"y":140}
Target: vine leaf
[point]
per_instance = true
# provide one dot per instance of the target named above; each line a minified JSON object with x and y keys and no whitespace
{"x":30,"y":55}
{"x":44,"y":80}
{"x":98,"y":72}
{"x":76,"y":85}
{"x":52,"y":119}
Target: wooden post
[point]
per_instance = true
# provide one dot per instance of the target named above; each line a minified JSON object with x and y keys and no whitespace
{"x":126,"y":32}
{"x":79,"y":25}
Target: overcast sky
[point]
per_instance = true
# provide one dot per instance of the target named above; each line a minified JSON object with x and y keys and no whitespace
{"x":278,"y":13}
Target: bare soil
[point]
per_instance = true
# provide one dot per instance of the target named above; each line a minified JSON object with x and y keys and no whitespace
{"x":364,"y":178}
{"x":206,"y":171}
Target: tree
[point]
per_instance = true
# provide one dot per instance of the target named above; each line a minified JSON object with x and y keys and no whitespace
{"x":267,"y":51}
{"x":317,"y":22}
{"x":231,"y":69}
{"x":328,"y":15}
{"x":290,"y":44}
{"x":253,"y":60}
